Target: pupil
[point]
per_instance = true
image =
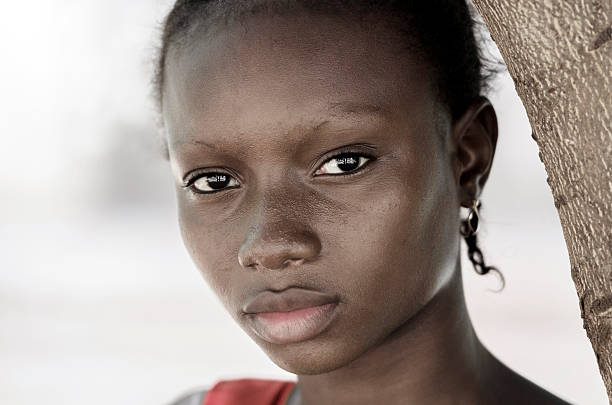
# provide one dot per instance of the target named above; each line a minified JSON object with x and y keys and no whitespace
{"x":218,"y":181}
{"x":347,"y":162}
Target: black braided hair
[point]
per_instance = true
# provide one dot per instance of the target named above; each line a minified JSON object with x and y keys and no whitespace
{"x":475,"y":256}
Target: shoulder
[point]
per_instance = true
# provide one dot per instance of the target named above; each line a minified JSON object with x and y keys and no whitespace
{"x":192,"y":398}
{"x":517,"y":389}
{"x":541,"y":396}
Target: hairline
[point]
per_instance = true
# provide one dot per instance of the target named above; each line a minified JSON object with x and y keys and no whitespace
{"x":205,"y":26}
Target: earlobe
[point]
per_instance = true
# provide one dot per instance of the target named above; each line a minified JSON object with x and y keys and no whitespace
{"x":475,"y":138}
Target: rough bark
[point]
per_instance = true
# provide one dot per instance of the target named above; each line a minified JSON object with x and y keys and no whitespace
{"x":559,"y":54}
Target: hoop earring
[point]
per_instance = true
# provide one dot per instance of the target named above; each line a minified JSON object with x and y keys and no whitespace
{"x":470,"y":224}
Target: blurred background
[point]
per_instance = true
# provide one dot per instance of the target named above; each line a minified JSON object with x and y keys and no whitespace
{"x":99,"y":301}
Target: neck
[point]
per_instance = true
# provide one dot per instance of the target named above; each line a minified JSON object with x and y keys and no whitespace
{"x":433,"y":356}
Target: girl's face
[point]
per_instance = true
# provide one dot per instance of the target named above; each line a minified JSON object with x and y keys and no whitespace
{"x":258,"y":113}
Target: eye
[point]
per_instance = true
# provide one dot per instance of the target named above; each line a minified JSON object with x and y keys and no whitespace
{"x":344,"y":164}
{"x":210,"y":182}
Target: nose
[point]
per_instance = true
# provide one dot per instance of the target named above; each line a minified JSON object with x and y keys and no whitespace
{"x":276,"y":251}
{"x":278,"y":239}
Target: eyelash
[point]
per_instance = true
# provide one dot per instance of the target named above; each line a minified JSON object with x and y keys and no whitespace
{"x":194,"y":176}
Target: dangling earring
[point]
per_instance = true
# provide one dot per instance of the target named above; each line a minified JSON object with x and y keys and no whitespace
{"x":470,"y":224}
{"x":469,"y":227}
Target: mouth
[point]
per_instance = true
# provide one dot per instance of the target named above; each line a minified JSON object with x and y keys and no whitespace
{"x":291,"y":316}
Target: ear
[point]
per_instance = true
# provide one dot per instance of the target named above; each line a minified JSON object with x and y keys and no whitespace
{"x":475,"y":138}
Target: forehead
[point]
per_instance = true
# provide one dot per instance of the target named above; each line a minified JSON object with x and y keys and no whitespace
{"x":272,"y":73}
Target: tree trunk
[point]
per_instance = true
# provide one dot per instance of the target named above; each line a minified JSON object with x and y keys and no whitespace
{"x":559,"y":54}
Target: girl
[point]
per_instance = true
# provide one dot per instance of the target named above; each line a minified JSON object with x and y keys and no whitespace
{"x":322,"y":151}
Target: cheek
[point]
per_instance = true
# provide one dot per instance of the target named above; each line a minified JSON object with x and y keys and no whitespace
{"x":207,"y":245}
{"x":402,"y":244}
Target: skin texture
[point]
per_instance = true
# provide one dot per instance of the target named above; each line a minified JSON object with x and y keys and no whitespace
{"x":269,"y":101}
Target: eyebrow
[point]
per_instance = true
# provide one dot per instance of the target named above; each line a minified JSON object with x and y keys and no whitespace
{"x":337,"y":109}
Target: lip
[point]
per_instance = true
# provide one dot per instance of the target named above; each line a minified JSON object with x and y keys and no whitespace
{"x":290,"y":316}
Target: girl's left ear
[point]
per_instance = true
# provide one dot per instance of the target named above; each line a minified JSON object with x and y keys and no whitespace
{"x":475,"y":137}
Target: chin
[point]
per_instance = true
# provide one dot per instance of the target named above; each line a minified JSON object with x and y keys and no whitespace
{"x":306,"y":362}
{"x":312,"y":357}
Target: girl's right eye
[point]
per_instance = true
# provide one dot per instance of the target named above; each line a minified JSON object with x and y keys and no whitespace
{"x":211,"y":182}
